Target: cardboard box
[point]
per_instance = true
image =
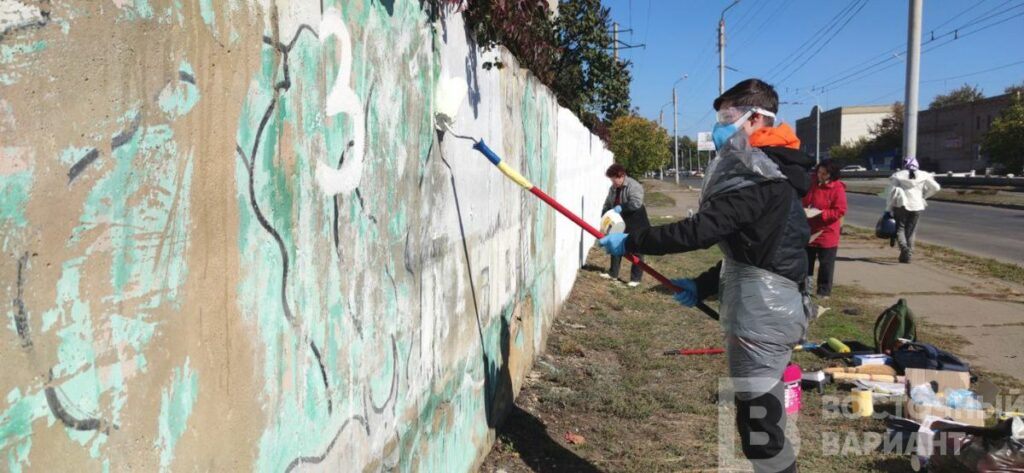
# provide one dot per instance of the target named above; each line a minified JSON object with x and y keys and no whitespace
{"x":986,"y":392}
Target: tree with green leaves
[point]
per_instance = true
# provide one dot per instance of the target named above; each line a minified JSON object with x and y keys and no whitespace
{"x":639,"y":144}
{"x":588,"y":78}
{"x":571,"y":53}
{"x":888,"y":134}
{"x":964,"y":94}
{"x":1004,"y":141}
{"x":687,"y":148}
{"x":1015,"y":89}
{"x":851,"y":152}
{"x":525,"y":27}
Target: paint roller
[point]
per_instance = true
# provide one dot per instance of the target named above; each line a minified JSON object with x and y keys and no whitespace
{"x":448,"y":98}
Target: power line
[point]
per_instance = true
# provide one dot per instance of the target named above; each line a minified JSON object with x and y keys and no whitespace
{"x":807,"y":44}
{"x":745,"y":20}
{"x":825,"y":43}
{"x":960,"y":76}
{"x":881,"y":65}
{"x":1004,"y":66}
{"x":965,"y":10}
{"x":767,"y":19}
{"x":895,"y":51}
{"x":890,"y":66}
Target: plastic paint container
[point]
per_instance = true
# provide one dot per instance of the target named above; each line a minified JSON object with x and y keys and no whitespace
{"x":611,"y":222}
{"x":791,"y":380}
{"x":862,"y":404}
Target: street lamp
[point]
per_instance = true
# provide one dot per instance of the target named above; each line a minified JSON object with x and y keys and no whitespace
{"x":661,"y":119}
{"x":721,"y":48}
{"x":675,"y":116}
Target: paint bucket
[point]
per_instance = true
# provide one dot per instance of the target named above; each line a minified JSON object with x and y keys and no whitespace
{"x":861,"y":404}
{"x":611,"y":222}
{"x":791,"y":379}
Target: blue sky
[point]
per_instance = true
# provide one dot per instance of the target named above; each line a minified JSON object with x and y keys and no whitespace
{"x":763,"y":35}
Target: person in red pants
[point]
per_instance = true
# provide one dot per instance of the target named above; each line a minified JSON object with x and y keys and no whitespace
{"x":825,"y":204}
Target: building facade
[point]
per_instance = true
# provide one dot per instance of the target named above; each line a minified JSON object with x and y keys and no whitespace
{"x":949,"y":138}
{"x":838,"y":126}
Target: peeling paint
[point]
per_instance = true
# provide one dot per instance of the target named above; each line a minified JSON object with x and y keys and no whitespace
{"x":176,"y":403}
{"x":279,"y":199}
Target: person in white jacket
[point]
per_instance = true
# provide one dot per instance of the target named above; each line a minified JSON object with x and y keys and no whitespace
{"x":905,"y":199}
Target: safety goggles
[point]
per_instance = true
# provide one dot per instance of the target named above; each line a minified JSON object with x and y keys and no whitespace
{"x":730,"y":115}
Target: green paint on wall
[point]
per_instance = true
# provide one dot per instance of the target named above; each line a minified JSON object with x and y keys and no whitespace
{"x":16,"y":427}
{"x":176,"y":403}
{"x":10,"y":52}
{"x":143,"y":9}
{"x":206,"y":11}
{"x":14,"y":195}
{"x":16,"y":422}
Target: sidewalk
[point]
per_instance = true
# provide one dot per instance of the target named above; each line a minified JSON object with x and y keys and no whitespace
{"x":987,"y":314}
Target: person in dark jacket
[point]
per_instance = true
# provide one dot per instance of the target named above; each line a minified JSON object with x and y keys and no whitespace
{"x":750,"y":206}
{"x":826,"y":205}
{"x":625,"y":196}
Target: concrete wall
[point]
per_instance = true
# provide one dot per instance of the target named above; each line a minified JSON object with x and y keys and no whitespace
{"x":232,"y":240}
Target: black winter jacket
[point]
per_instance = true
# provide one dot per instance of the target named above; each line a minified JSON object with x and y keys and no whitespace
{"x":763,"y":225}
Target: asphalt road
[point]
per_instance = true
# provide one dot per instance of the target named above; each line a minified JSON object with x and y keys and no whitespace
{"x":987,"y":231}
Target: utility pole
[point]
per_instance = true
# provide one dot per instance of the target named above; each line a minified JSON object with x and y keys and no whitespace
{"x":913,"y":79}
{"x":675,"y":117}
{"x":817,"y":132}
{"x":721,"y":48}
{"x":615,"y":40}
{"x":675,"y":138}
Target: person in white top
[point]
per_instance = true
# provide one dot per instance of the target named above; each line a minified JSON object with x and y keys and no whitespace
{"x":905,"y":198}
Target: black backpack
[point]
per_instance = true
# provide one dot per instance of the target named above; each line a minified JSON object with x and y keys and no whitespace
{"x":925,"y":356}
{"x":895,"y":322}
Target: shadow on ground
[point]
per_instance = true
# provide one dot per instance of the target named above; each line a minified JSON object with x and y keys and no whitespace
{"x":529,"y":437}
{"x":867,"y":260}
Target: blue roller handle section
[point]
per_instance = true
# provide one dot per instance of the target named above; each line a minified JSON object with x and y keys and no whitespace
{"x":486,"y":151}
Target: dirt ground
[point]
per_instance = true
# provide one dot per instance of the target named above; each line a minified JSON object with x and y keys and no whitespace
{"x":604,"y":397}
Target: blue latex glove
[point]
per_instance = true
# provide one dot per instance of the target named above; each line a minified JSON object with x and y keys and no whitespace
{"x":618,"y":209}
{"x":688,"y":296}
{"x":614,"y":244}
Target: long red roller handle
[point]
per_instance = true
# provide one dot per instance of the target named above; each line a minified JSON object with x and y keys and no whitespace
{"x":697,"y":351}
{"x":519,"y":179}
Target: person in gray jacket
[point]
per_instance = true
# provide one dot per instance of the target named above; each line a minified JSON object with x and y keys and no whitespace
{"x":626,"y":196}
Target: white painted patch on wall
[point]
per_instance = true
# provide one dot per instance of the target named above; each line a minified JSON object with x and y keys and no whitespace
{"x":448,"y":98}
{"x":15,"y":14}
{"x":342,"y":99}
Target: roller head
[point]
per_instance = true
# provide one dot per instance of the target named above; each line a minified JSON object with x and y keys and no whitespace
{"x":448,"y":97}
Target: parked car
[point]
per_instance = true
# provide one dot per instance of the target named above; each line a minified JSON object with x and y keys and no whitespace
{"x":853,"y":168}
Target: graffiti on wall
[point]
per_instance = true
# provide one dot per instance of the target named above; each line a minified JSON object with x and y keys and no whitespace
{"x":384,"y":291}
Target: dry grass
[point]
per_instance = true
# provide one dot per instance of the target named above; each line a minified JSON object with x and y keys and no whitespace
{"x":658,"y":199}
{"x":604,"y":377}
